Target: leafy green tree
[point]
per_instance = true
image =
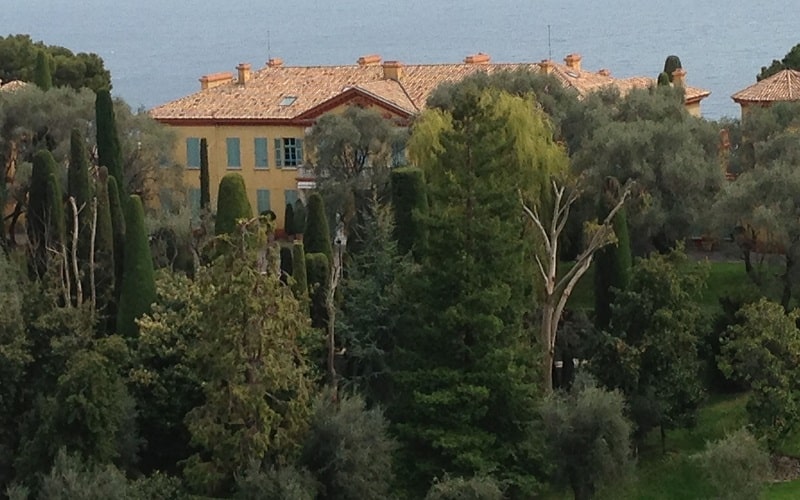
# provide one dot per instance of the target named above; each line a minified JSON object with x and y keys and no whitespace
{"x":41,"y":72}
{"x":790,"y":61}
{"x":138,"y":289}
{"x":232,"y":204}
{"x":737,"y":466}
{"x":109,"y":150}
{"x":18,"y":59}
{"x":463,"y":369}
{"x":205,"y":180}
{"x":45,"y":213}
{"x":651,"y":352}
{"x":759,"y":351}
{"x":250,"y":363}
{"x":317,"y":237}
{"x":410,"y":207}
{"x":348,"y":449}
{"x":612,"y":265}
{"x":589,"y":437}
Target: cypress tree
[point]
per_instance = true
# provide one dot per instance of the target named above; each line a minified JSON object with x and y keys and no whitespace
{"x":300,"y":286}
{"x":138,"y":290}
{"x":410,"y":204}
{"x":45,"y":216}
{"x":78,"y":188}
{"x":42,"y":75}
{"x":232,"y":204}
{"x":671,"y":64}
{"x":205,"y":179}
{"x":104,"y":245}
{"x":318,"y":272}
{"x":299,"y":217}
{"x":612,"y":263}
{"x":118,"y":229}
{"x":317,"y":238}
{"x":288,"y":220}
{"x":109,"y":151}
{"x":287,"y":267}
{"x":664,"y":79}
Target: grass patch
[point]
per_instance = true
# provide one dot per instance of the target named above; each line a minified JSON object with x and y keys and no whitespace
{"x":783,"y":491}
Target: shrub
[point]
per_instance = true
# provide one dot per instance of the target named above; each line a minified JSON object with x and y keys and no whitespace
{"x":318,"y":272}
{"x":317,"y":237}
{"x":737,"y":466}
{"x":474,"y":488}
{"x":300,"y":287}
{"x":286,"y":483}
{"x":409,"y":201}
{"x":232,"y":204}
{"x":287,"y":267}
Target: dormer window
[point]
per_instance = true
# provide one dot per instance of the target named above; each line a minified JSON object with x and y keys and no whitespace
{"x":288,"y":100}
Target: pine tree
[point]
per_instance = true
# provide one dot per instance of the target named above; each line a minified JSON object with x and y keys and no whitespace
{"x":42,"y":75}
{"x":118,"y":228}
{"x":45,"y":214}
{"x":410,"y":205}
{"x":205,"y":179}
{"x":317,"y":238}
{"x":232,"y":204}
{"x":612,"y":264}
{"x":138,"y":289}
{"x":109,"y":150}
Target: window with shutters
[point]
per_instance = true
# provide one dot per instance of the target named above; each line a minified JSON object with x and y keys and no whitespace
{"x":193,"y":152}
{"x":262,"y":201}
{"x":234,"y":154}
{"x":290,"y":197}
{"x":288,"y":152}
{"x":260,"y":147}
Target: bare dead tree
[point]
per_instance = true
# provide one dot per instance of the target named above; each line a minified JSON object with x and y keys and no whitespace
{"x":557,"y":289}
{"x":75,"y":268}
{"x":330,"y":304}
{"x":91,"y":255}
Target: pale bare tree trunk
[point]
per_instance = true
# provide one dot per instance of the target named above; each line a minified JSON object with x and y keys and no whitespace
{"x":91,"y":255}
{"x":557,"y":289}
{"x":75,"y":267}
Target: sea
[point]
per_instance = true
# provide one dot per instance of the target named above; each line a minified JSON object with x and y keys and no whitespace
{"x":157,"y":49}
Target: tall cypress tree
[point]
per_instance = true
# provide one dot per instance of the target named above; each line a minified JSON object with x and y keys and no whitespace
{"x":104,"y":245}
{"x":612,"y":263}
{"x":288,"y":220}
{"x":109,"y":150}
{"x":45,"y":215}
{"x":42,"y":75}
{"x":232,"y":204}
{"x":78,"y":188}
{"x":300,"y":286}
{"x":138,"y":289}
{"x":205,"y":179}
{"x":118,"y":228}
{"x":317,"y":238}
{"x":410,"y":206}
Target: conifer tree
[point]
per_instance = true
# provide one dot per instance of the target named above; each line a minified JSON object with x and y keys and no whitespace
{"x":299,"y":217}
{"x":612,"y":265}
{"x":78,"y":188}
{"x":317,"y":238}
{"x":109,"y":151}
{"x":45,"y":214}
{"x":318,"y":271}
{"x":118,"y":228}
{"x":410,"y":205}
{"x":288,"y":220}
{"x":42,"y":76}
{"x":138,"y":290}
{"x":232,"y":204}
{"x":205,"y":179}
{"x":300,"y":286}
{"x":103,"y":245}
{"x":671,"y":64}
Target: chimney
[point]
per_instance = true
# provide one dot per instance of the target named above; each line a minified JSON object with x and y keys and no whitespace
{"x":546,"y":66}
{"x":604,"y":72}
{"x":215,"y":80}
{"x":573,"y":61}
{"x":370,"y":60}
{"x":275,"y":62}
{"x":479,"y":58}
{"x":244,"y":73}
{"x":392,"y":70}
{"x":679,"y":77}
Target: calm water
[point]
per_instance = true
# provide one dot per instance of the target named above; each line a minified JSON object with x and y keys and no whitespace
{"x":157,"y":49}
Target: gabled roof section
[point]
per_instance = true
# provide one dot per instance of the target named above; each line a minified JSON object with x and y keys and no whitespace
{"x":782,"y":86}
{"x":401,"y":88}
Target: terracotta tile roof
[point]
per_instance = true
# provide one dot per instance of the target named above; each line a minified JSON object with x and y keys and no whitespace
{"x":691,"y":94}
{"x":315,"y":86}
{"x":782,"y":86}
{"x":13,"y":85}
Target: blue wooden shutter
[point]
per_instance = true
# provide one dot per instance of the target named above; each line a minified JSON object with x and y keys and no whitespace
{"x":262,"y":200}
{"x":299,"y":151}
{"x":278,"y":153}
{"x":234,"y":156}
{"x":194,"y":201}
{"x":193,"y":152}
{"x":260,"y":146}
